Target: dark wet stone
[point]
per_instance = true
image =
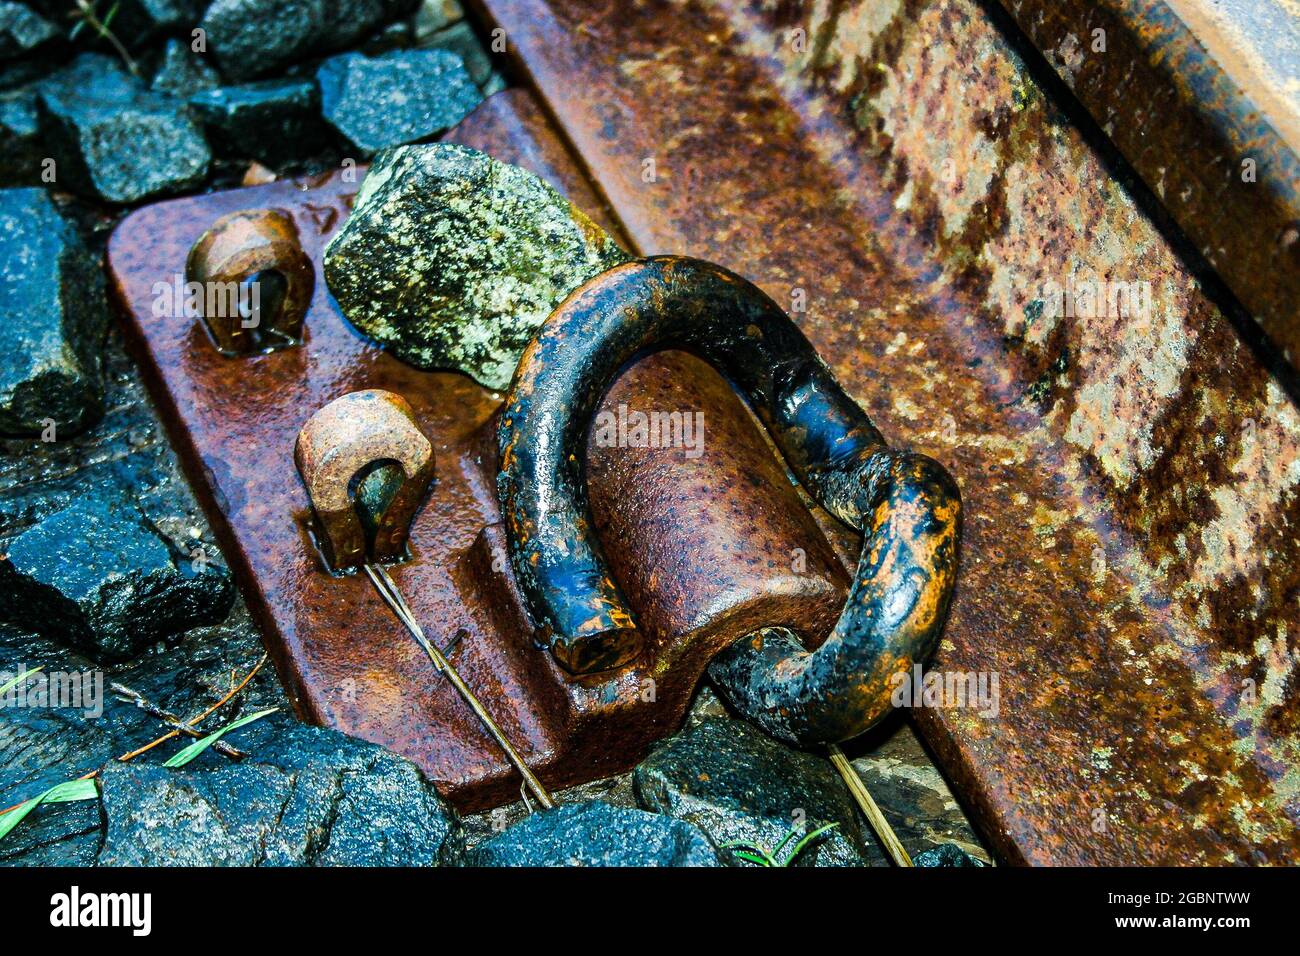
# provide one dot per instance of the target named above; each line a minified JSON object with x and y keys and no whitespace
{"x":434,"y":15}
{"x":399,"y":97}
{"x":22,"y":31}
{"x":139,"y":21}
{"x":115,"y":140}
{"x":738,"y":785}
{"x":946,"y":854}
{"x":182,"y":72}
{"x":98,"y":575}
{"x":272,"y":121}
{"x":125,"y":457}
{"x":461,"y":40}
{"x":20,"y":139}
{"x":254,"y":37}
{"x":596,"y":834}
{"x":452,"y":260}
{"x":304,"y":796}
{"x":52,"y":319}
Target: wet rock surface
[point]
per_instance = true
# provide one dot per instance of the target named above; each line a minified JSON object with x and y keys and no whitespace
{"x":115,"y":140}
{"x":947,"y":854}
{"x":460,"y":40}
{"x":253,"y":37}
{"x":23,"y":31}
{"x":740,"y":786}
{"x":182,"y":72}
{"x":451,"y":259}
{"x":100,"y":576}
{"x":52,"y":318}
{"x":596,"y":834}
{"x":398,"y":97}
{"x":303,"y":797}
{"x":272,"y":121}
{"x":20,"y":143}
{"x":125,"y":455}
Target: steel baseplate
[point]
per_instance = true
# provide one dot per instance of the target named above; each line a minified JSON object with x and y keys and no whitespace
{"x":704,"y":549}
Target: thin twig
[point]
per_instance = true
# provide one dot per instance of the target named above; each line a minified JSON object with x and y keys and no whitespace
{"x":171,"y":720}
{"x":893,"y":846}
{"x":168,"y":736}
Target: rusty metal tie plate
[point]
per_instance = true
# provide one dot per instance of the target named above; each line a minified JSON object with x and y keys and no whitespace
{"x":703,"y":549}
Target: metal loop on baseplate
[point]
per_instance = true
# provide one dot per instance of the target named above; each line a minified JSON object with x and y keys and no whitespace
{"x":907,"y":506}
{"x":365,"y":436}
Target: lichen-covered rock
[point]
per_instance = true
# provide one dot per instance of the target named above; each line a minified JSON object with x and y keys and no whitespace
{"x":740,"y":786}
{"x":253,"y":37}
{"x":22,"y":31}
{"x":99,"y":576}
{"x":304,"y":796}
{"x":52,"y":319}
{"x":113,"y":139}
{"x":596,"y":834}
{"x":272,"y":121}
{"x":403,"y":96}
{"x":182,"y":72}
{"x":452,"y":260}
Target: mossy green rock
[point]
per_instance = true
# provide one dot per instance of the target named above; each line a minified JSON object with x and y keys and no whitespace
{"x":451,"y":260}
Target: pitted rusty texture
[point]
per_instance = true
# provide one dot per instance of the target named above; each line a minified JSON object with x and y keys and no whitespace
{"x":907,"y":505}
{"x":1200,"y":97}
{"x":243,"y":252}
{"x":1130,"y":552}
{"x":340,"y":441}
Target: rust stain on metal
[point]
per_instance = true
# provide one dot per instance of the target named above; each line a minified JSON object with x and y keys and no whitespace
{"x":248,"y":250}
{"x":1202,"y":100}
{"x":1131,"y":559}
{"x":343,"y":657}
{"x":340,"y":441}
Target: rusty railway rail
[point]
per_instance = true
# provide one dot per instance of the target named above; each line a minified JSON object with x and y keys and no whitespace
{"x":892,"y":174}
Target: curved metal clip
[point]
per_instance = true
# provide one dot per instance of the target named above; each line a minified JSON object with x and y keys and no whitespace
{"x":906,"y":505}
{"x":254,"y":281}
{"x":342,"y":444}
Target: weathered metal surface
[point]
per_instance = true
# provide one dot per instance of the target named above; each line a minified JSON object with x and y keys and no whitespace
{"x":1130,"y":556}
{"x":247,"y":252}
{"x":1203,"y":98}
{"x":341,"y":442}
{"x":906,"y":504}
{"x":343,"y":657}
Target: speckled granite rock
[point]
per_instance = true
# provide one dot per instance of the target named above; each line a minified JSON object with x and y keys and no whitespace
{"x":596,"y":834}
{"x":254,"y":37}
{"x":403,"y":96}
{"x":100,"y":576}
{"x":303,"y":797}
{"x":272,"y":121}
{"x":115,"y":140}
{"x":738,"y":785}
{"x":451,"y":259}
{"x":22,"y":31}
{"x":182,"y":72}
{"x":460,"y":39}
{"x":52,"y":319}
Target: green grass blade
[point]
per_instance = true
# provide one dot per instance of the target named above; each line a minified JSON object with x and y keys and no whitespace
{"x":19,"y":679}
{"x":760,"y":861}
{"x":183,"y":757}
{"x":799,"y":847}
{"x":59,"y":793}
